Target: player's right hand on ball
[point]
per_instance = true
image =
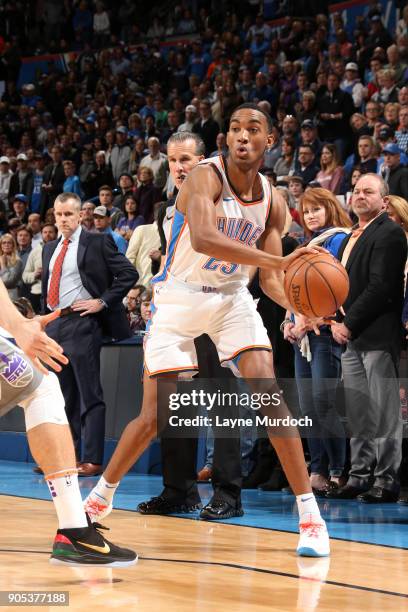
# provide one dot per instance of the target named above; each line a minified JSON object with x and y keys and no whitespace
{"x":289,"y":259}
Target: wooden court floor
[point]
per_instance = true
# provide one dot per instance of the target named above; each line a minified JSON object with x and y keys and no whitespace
{"x":187,"y":565}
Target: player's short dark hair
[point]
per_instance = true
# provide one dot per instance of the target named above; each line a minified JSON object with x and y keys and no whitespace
{"x":253,"y":106}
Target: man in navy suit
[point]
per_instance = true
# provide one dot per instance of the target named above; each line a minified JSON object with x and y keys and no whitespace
{"x":87,"y":278}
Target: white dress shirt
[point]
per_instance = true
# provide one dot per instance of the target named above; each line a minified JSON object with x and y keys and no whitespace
{"x":71,"y":288}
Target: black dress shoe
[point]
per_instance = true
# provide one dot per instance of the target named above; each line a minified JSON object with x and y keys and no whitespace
{"x":378,"y":495}
{"x":346,"y":492}
{"x":218,"y":509}
{"x":161,"y":505}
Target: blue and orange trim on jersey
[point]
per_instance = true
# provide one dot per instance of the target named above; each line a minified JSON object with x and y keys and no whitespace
{"x":231,"y":186}
{"x":177,"y":228}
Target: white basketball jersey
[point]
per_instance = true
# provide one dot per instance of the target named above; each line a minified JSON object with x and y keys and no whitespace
{"x":240,"y":220}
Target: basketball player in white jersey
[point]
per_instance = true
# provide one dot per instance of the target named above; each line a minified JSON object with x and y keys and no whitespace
{"x":223,"y":210}
{"x":26,"y":381}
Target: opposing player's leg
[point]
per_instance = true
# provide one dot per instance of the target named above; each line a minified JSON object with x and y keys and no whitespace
{"x":134,"y":440}
{"x":314,"y":539}
{"x":77,"y":542}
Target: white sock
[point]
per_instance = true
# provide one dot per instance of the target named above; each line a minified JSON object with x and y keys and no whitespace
{"x":105,"y":490}
{"x":67,"y":500}
{"x":307,"y":504}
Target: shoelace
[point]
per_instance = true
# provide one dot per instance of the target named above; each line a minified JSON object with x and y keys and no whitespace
{"x":312,"y":529}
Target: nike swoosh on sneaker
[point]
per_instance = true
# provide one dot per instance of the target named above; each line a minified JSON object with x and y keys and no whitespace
{"x":305,"y":499}
{"x":101,"y":549}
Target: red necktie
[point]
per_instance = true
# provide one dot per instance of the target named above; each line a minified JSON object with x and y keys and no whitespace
{"x":53,"y":291}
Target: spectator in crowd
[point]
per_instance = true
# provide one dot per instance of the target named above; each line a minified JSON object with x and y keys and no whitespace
{"x":33,"y":268}
{"x":388,"y":91}
{"x":394,"y":173}
{"x":87,"y":218}
{"x":305,"y":167}
{"x":11,"y":266}
{"x":190,"y":118}
{"x":120,"y":155}
{"x":131,"y":219}
{"x":206,"y":127}
{"x":391,"y":115}
{"x":285,"y":163}
{"x":101,"y":26}
{"x":331,"y":175}
{"x":296,"y":187}
{"x":34,"y":224}
{"x":72,"y":183}
{"x":19,"y":208}
{"x":5,"y":177}
{"x":138,"y":153}
{"x":86,"y":169}
{"x":22,"y":181}
{"x":317,"y":356}
{"x":308,"y":136}
{"x":106,"y":199}
{"x":335,"y":109}
{"x":372,"y":113}
{"x":132,"y":303}
{"x":146,"y":194}
{"x":222,"y":148}
{"x":102,"y":225}
{"x":144,"y":241}
{"x":126,"y":185}
{"x":352,"y":84}
{"x":401,"y":135}
{"x":138,"y":323}
{"x":308,"y":110}
{"x":100,"y":174}
{"x":24,"y":248}
{"x":157,"y":162}
{"x":53,"y":180}
{"x":103,"y":277}
{"x":367,"y":154}
{"x":374,"y":256}
{"x":40,"y":161}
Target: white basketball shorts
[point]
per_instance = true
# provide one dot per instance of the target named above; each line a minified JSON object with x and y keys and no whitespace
{"x":183,"y":311}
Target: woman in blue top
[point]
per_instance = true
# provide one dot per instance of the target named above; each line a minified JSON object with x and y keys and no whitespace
{"x":131,"y":220}
{"x":317,"y":356}
{"x":72,"y":183}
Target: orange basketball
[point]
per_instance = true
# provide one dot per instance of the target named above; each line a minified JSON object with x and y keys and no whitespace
{"x":316,"y":285}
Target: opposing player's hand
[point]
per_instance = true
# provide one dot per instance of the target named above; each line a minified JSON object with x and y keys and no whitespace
{"x":289,"y":259}
{"x":40,"y":348}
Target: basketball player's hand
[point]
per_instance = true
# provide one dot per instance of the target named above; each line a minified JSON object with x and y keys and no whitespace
{"x":40,"y":348}
{"x":341,"y":333}
{"x":289,"y":259}
{"x":86,"y":307}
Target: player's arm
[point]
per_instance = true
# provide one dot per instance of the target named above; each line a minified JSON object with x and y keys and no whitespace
{"x":271,"y":281}
{"x":29,"y":334}
{"x":197,"y":197}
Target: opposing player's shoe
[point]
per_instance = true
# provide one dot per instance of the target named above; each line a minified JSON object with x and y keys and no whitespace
{"x":314,"y":538}
{"x":87,"y":546}
{"x":96,"y":507}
